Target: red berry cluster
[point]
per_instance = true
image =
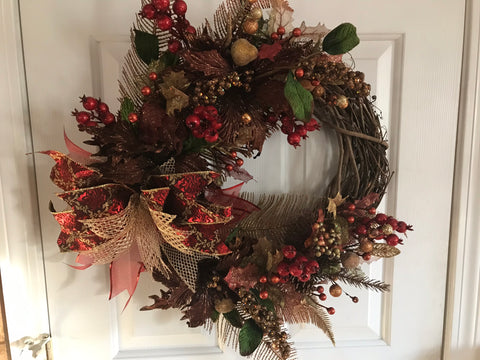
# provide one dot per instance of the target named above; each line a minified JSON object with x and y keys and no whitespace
{"x":367,"y":224}
{"x":238,"y":161}
{"x":169,"y":18}
{"x":281,"y":31}
{"x":294,"y":129}
{"x":204,"y":123}
{"x":97,"y":112}
{"x":296,"y":265}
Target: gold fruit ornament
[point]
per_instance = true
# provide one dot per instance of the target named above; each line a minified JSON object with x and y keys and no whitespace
{"x":224,"y":306}
{"x":243,"y":53}
{"x":335,"y":290}
{"x":342,"y":102}
{"x":256,"y":13}
{"x":350,"y":260}
{"x":250,"y":27}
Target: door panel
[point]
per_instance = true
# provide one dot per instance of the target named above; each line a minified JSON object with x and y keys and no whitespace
{"x":74,"y":47}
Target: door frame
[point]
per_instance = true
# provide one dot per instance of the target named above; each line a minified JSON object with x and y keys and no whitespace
{"x":463,"y":289}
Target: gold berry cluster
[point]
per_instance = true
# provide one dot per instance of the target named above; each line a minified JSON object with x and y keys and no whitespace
{"x":325,"y":240}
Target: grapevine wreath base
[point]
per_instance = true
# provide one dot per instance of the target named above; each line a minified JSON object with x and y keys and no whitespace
{"x":194,"y":104}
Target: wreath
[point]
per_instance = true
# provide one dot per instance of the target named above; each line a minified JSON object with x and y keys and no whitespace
{"x":194,"y":104}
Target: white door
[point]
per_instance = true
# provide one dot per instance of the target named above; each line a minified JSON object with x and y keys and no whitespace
{"x":410,"y":52}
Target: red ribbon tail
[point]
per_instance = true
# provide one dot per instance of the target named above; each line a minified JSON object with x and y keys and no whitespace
{"x":76,"y":152}
{"x":84,"y":260}
{"x":125,"y":274}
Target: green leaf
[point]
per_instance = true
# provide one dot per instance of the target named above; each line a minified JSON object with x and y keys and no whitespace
{"x":146,"y":46}
{"x":341,"y":39}
{"x":214,"y":316}
{"x":194,"y":145}
{"x":234,"y":318}
{"x":126,"y":108}
{"x":168,"y":59}
{"x":300,"y":99}
{"x":231,"y":238}
{"x":249,"y":338}
{"x":264,"y":302}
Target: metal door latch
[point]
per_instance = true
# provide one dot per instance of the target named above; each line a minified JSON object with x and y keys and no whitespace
{"x":37,"y":345}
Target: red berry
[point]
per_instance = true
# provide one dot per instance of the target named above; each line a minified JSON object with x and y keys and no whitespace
{"x":392,"y":222}
{"x":153,"y":76}
{"x":133,"y":118}
{"x":304,"y":277}
{"x":289,"y":251}
{"x":91,"y":124}
{"x":355,"y":299}
{"x":381,"y":218}
{"x":274,"y":36}
{"x":82,"y":117}
{"x":216,"y":125}
{"x":174,"y":46}
{"x":283,"y":280}
{"x":320,"y":289}
{"x":351,"y":207}
{"x":315,"y":82}
{"x":361,"y":230}
{"x":297,"y":32}
{"x":275,"y":279}
{"x":312,"y":125}
{"x":103,"y":108}
{"x":392,"y":240}
{"x":109,"y":118}
{"x":295,"y":269}
{"x":211,"y":110}
{"x":282,"y":269}
{"x":164,"y":22}
{"x":402,"y":227}
{"x":287,"y":128}
{"x":229,"y":167}
{"x":233,"y":154}
{"x":192,"y":121}
{"x":263,"y":279}
{"x":198,"y":133}
{"x":294,"y":139}
{"x":161,"y":4}
{"x":301,"y":130}
{"x":191,"y":30}
{"x":312,"y":267}
{"x":179,"y":7}
{"x":367,"y":256}
{"x":146,"y":90}
{"x":264,"y":295}
{"x":239,"y":162}
{"x":299,"y":73}
{"x":323,"y":296}
{"x":281,"y":30}
{"x":350,"y":219}
{"x":211,"y":135}
{"x":199,"y":111}
{"x":272,"y":119}
{"x":331,"y":310}
{"x":89,"y":103}
{"x":148,"y":11}
{"x":372,"y":211}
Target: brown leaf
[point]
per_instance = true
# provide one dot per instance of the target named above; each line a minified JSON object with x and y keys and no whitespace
{"x":211,"y":63}
{"x":176,"y":99}
{"x":368,"y":201}
{"x":334,"y":203}
{"x":245,"y":277}
{"x":176,"y":80}
{"x":384,"y":250}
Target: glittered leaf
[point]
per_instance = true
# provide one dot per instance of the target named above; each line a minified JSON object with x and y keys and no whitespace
{"x":300,"y":100}
{"x":245,"y":277}
{"x":341,"y":39}
{"x":280,"y":15}
{"x":209,"y":62}
{"x":176,"y":99}
{"x":334,"y":203}
{"x":249,"y":338}
{"x":274,"y":259}
{"x":268,"y":51}
{"x":234,"y":318}
{"x":146,"y":46}
{"x":126,"y":108}
{"x":368,"y":201}
{"x":385,"y":250}
{"x":176,"y":80}
{"x":313,"y":33}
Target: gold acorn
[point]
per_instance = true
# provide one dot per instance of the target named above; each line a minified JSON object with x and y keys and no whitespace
{"x":243,"y":52}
